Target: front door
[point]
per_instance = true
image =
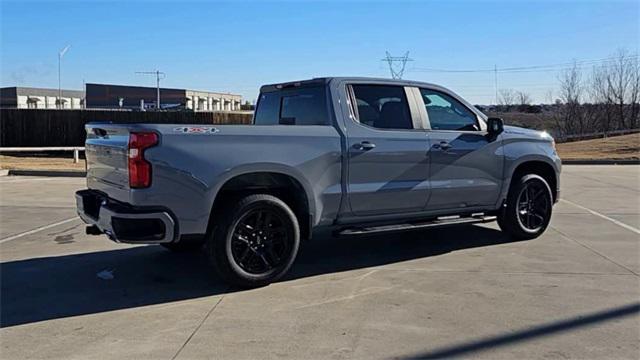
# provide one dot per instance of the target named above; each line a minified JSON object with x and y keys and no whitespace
{"x":388,"y":168}
{"x":465,"y":166}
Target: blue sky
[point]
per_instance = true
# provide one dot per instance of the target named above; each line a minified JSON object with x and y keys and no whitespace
{"x":237,"y":46}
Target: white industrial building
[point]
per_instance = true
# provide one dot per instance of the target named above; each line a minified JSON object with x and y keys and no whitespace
{"x":211,"y":101}
{"x":102,"y":96}
{"x":38,"y":98}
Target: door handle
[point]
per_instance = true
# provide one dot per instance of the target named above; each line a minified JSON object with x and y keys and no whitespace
{"x":442,"y":145}
{"x":365,"y":145}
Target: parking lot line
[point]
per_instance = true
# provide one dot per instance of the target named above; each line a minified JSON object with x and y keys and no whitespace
{"x":593,"y":212}
{"x":37,"y":229}
{"x":197,"y":328}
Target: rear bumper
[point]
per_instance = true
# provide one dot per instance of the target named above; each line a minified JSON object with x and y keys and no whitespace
{"x":124,"y":223}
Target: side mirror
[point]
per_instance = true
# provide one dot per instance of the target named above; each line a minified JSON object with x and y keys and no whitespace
{"x":495,"y":126}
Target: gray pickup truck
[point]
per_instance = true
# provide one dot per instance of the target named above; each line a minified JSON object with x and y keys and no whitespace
{"x":357,"y":156}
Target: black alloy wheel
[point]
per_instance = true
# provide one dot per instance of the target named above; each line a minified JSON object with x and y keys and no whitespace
{"x":528,"y":207}
{"x":254,"y":241}
{"x":533,"y":206}
{"x":260,"y":241}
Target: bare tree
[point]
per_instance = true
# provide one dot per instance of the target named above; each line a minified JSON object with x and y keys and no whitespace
{"x":507,"y":97}
{"x":620,"y":81}
{"x":634,"y":96}
{"x":548,"y":96}
{"x":569,"y":119}
{"x":571,"y":85}
{"x":523,"y":98}
{"x":602,"y":99}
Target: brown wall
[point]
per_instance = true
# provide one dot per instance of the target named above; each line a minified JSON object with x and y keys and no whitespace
{"x":107,"y":96}
{"x":24,"y":127}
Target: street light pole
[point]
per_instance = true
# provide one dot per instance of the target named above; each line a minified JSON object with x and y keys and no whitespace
{"x":60,"y":55}
{"x":495,"y":78}
{"x":59,"y":82}
{"x":158,"y":89}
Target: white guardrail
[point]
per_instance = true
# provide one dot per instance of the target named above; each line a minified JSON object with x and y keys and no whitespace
{"x":76,"y":150}
{"x":595,"y":135}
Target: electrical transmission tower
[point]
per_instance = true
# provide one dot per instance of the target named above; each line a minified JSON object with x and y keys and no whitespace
{"x":159,"y":76}
{"x":397,"y":64}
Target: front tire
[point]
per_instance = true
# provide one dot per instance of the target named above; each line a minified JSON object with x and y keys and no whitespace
{"x":256,"y":242}
{"x":528,"y":208}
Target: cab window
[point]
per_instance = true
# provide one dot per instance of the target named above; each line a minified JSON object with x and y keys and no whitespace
{"x":268,"y":109}
{"x":300,"y":106}
{"x":447,"y":113}
{"x":382,"y":106}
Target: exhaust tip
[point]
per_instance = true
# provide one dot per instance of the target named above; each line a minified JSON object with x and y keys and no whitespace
{"x":93,"y":230}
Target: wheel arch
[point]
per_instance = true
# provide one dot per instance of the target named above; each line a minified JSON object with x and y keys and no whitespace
{"x":538,"y":166}
{"x":279,"y":181}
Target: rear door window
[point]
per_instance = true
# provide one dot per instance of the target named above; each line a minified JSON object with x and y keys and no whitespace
{"x":382,"y":106}
{"x":301,"y":106}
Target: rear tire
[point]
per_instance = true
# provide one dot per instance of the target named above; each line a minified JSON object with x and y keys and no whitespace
{"x":255,"y":243}
{"x":528,"y":208}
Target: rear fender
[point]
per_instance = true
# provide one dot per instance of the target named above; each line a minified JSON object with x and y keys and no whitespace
{"x":244,"y":169}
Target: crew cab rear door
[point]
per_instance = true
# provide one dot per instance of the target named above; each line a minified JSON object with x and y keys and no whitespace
{"x":388,"y":170}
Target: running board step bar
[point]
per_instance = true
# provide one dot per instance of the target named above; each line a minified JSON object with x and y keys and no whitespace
{"x":441,"y":221}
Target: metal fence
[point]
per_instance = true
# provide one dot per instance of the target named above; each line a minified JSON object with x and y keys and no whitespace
{"x":63,"y":128}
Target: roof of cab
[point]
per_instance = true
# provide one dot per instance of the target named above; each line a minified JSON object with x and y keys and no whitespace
{"x":326,"y":80}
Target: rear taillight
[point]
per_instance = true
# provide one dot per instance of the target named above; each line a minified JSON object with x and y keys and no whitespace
{"x":139,"y":168}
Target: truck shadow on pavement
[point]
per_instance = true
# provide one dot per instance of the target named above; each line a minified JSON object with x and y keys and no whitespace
{"x":55,"y":287}
{"x":323,"y":255}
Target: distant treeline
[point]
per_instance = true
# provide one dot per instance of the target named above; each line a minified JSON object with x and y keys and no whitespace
{"x":603,"y":99}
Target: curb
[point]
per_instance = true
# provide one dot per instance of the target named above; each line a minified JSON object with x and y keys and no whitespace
{"x":58,"y":173}
{"x":601,"y":162}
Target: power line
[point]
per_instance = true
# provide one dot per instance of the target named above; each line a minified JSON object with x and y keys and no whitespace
{"x":519,"y":68}
{"x":397,"y":71}
{"x":531,"y":68}
{"x":586,"y":67}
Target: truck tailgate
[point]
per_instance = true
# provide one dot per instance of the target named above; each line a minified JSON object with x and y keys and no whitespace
{"x":106,"y":150}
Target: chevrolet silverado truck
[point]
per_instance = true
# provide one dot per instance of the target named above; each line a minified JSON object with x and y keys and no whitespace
{"x":357,"y":156}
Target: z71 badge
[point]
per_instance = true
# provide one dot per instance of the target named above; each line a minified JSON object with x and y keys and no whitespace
{"x":196,"y":129}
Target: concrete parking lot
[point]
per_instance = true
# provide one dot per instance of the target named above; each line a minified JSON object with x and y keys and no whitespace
{"x":450,"y":292}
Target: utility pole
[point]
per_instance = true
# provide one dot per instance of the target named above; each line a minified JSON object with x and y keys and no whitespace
{"x":159,"y":75}
{"x":396,"y":72}
{"x":60,"y":55}
{"x":495,"y":78}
